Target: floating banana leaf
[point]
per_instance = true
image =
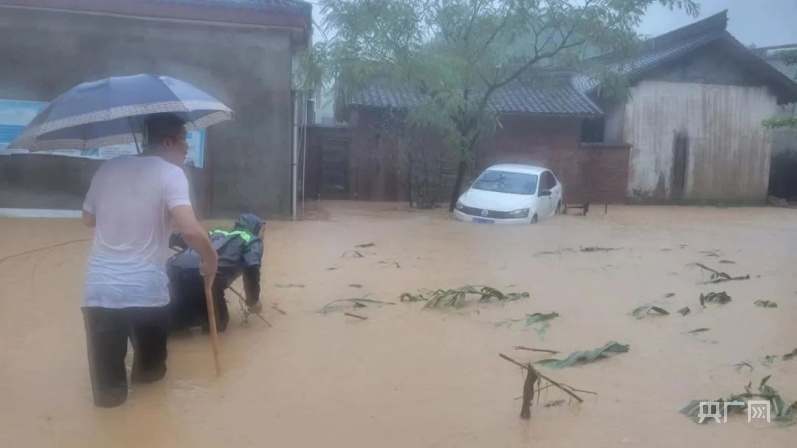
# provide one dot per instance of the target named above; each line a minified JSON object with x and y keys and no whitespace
{"x":586,"y":356}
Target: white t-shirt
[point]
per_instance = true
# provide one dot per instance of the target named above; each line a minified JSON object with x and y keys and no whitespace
{"x":131,"y":196}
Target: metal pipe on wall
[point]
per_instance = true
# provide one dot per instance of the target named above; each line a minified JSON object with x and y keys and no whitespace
{"x":294,"y":156}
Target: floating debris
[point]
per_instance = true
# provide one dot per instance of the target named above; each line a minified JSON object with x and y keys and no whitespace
{"x":719,"y":277}
{"x":684,"y":311}
{"x":534,"y":380}
{"x":390,"y":263}
{"x":532,"y":319}
{"x":553,"y":252}
{"x":720,"y":298}
{"x":587,"y":356}
{"x":598,"y":249}
{"x":345,"y":304}
{"x":355,"y":316}
{"x":738,"y":367}
{"x":646,"y":310}
{"x":554,"y":403}
{"x":355,"y":285}
{"x":363,"y":246}
{"x":781,"y":410}
{"x":698,"y":330}
{"x":765,"y":304}
{"x":540,"y":350}
{"x":351,"y":254}
{"x":768,"y":360}
{"x":458,"y":298}
{"x":790,"y":355}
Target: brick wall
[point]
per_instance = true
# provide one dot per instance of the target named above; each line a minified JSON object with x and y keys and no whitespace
{"x":549,"y":142}
{"x":594,"y":172}
{"x":605,"y":171}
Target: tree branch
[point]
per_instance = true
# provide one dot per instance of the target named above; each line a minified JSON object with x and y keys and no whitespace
{"x":563,"y":387}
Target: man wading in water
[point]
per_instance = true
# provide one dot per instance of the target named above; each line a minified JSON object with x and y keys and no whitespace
{"x":131,"y":204}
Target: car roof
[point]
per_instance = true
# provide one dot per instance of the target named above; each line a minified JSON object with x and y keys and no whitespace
{"x":517,"y":168}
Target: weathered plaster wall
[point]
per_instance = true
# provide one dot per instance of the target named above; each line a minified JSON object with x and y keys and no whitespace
{"x":728,"y":151}
{"x":44,"y":53}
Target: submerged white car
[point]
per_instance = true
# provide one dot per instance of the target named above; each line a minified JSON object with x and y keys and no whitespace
{"x":504,"y":194}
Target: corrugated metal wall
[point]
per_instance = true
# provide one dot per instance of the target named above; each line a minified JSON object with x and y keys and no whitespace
{"x":727,"y":149}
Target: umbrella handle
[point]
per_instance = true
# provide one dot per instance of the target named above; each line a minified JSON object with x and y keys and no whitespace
{"x":214,"y":335}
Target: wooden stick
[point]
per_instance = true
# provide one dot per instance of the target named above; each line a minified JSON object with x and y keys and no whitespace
{"x":561,"y":387}
{"x":355,"y":315}
{"x":541,"y":350}
{"x":721,"y":274}
{"x":277,"y":308}
{"x":214,"y":335}
{"x":241,"y":297}
{"x":528,"y":392}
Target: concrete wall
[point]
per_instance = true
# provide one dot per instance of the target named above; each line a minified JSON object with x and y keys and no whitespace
{"x":728,"y":151}
{"x":45,"y":53}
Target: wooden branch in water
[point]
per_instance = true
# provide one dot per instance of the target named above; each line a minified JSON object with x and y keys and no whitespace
{"x":241,"y":298}
{"x":558,"y":385}
{"x":721,"y":274}
{"x":356,"y":315}
{"x":541,"y":350}
{"x":278,"y":309}
{"x":53,"y":246}
{"x":528,"y":392}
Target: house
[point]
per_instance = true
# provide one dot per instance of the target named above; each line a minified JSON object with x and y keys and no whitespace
{"x":783,"y":170}
{"x":240,"y":51}
{"x":691,"y":130}
{"x":698,"y":98}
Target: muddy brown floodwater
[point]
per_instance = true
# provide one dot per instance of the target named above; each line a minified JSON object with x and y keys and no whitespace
{"x":412,"y":378}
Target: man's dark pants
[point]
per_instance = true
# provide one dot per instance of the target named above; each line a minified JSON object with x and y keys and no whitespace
{"x":107,"y":332}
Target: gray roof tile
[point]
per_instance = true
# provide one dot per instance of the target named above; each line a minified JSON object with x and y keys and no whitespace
{"x":789,"y":70}
{"x":516,"y":98}
{"x":654,"y":57}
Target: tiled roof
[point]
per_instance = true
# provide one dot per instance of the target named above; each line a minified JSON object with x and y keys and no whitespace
{"x":277,"y":6}
{"x":789,"y":70}
{"x":570,"y":97}
{"x":517,"y":98}
{"x":665,"y":48}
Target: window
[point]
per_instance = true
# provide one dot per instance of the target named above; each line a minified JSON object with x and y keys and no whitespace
{"x":547,"y":181}
{"x":592,"y":130}
{"x":506,"y":182}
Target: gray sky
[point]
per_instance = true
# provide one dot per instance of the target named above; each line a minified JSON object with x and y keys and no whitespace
{"x":763,"y":22}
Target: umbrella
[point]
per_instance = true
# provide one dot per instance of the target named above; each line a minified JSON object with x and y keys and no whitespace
{"x":111,"y":112}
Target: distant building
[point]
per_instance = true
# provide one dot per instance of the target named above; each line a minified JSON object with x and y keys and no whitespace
{"x":691,"y":131}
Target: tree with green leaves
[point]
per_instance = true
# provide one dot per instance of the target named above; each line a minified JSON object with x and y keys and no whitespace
{"x":787,"y":121}
{"x":454,"y":55}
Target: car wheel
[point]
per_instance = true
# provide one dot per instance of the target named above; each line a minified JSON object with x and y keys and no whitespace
{"x":534,"y":219}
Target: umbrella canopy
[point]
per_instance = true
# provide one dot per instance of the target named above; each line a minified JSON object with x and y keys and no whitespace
{"x":111,"y":112}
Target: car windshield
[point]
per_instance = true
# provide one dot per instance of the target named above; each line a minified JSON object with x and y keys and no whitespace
{"x":506,"y":182}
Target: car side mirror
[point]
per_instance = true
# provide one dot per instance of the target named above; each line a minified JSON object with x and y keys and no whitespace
{"x":545,"y":193}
